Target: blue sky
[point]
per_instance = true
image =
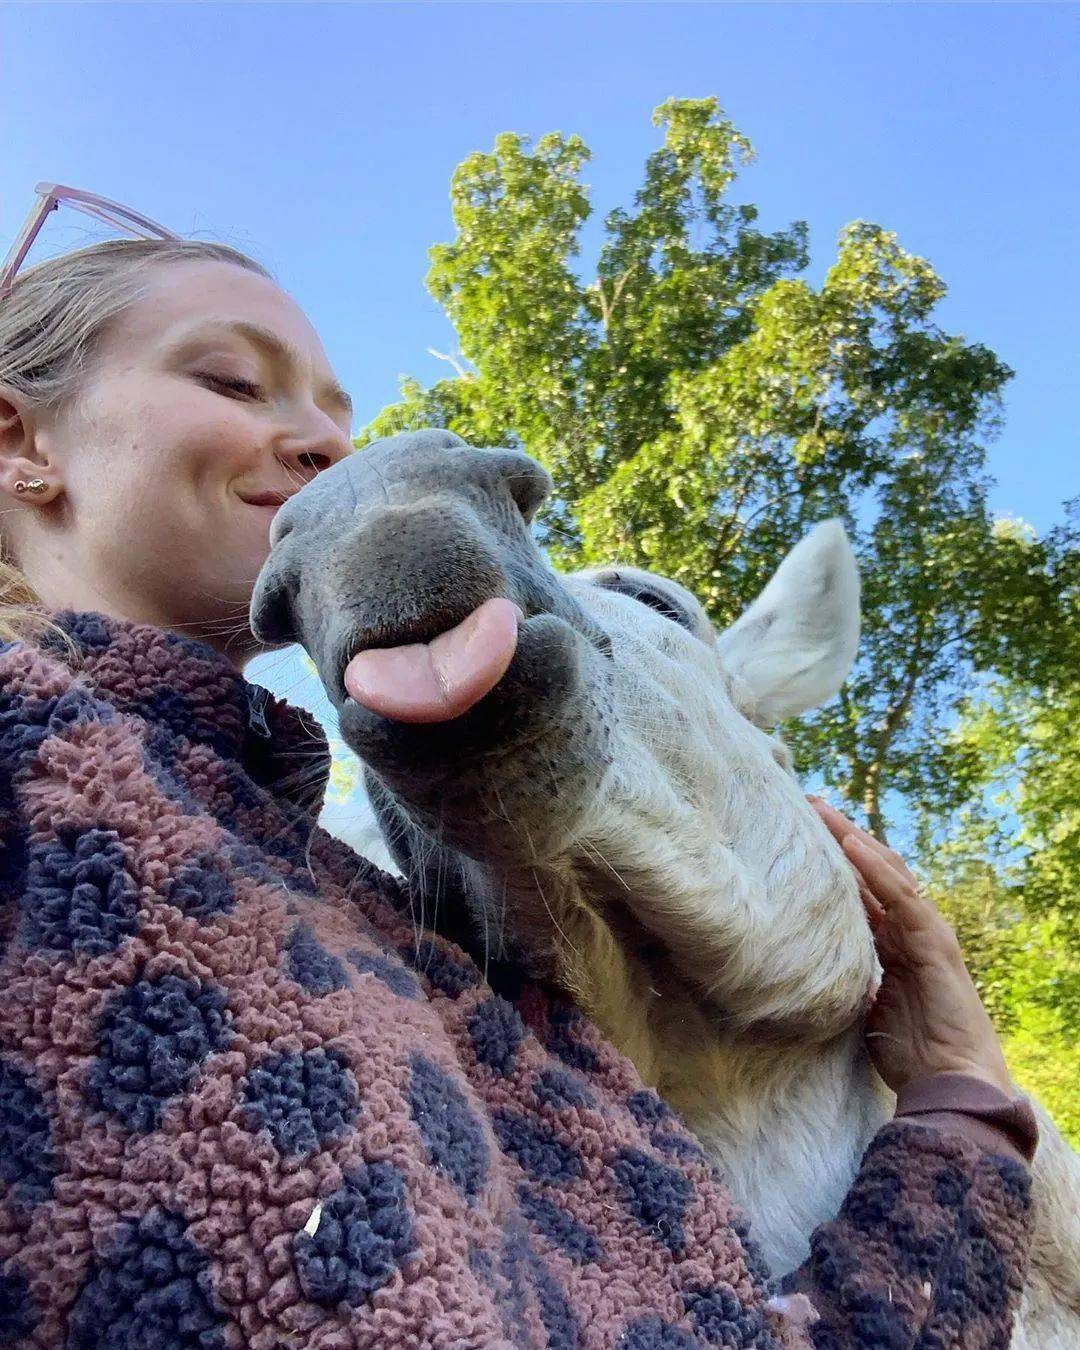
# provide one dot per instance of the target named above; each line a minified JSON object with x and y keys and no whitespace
{"x":321,"y":138}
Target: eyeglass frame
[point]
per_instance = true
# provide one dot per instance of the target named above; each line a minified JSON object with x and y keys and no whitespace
{"x":50,"y":197}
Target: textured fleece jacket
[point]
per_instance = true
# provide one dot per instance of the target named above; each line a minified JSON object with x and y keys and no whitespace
{"x":243,"y":1104}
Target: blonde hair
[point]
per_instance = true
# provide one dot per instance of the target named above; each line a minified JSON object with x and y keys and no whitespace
{"x":50,"y":322}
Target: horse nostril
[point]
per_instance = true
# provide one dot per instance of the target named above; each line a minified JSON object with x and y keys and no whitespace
{"x":271,"y":613}
{"x":280,"y":528}
{"x":527,"y":482}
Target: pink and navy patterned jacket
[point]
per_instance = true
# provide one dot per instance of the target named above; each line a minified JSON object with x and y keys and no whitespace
{"x":243,"y":1104}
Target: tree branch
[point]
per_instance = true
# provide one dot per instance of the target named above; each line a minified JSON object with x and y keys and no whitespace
{"x":607,"y":308}
{"x":462,"y":373}
{"x":744,"y":525}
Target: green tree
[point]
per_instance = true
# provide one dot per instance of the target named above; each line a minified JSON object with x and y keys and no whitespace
{"x":1021,"y":729}
{"x":1027,"y":968}
{"x":1006,"y":870}
{"x":700,"y":404}
{"x":1024,"y":957}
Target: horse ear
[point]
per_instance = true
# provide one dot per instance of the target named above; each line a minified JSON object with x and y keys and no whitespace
{"x":794,"y":646}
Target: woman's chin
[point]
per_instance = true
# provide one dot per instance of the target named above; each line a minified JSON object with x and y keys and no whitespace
{"x":253,"y":523}
{"x":264,"y":515}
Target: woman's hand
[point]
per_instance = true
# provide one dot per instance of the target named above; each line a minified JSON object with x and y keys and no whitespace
{"x":927,"y":1016}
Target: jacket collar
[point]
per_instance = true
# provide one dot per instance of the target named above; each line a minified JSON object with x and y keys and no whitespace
{"x":182,"y":687}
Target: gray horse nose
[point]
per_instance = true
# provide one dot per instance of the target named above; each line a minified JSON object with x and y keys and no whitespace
{"x":405,"y":468}
{"x":388,"y":481}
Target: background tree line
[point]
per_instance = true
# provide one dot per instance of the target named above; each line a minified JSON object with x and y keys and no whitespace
{"x":700,"y":405}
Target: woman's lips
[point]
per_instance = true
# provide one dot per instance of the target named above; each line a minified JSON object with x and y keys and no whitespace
{"x":269,"y":501}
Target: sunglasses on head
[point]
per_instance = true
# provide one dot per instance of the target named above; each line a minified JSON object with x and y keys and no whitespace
{"x":49,"y":198}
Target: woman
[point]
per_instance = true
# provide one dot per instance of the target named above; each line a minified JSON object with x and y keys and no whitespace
{"x":239,"y":1104}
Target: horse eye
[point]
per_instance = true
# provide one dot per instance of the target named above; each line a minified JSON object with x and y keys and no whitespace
{"x":654,"y":597}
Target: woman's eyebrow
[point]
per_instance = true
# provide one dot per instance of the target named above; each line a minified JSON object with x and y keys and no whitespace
{"x":268,"y":342}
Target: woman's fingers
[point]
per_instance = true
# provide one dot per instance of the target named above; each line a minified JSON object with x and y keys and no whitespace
{"x":875,"y":914}
{"x":842,"y":829}
{"x":885,"y":883}
{"x":845,"y":832}
{"x":838,"y":826}
{"x":889,"y":886}
{"x":926,"y":1017}
{"x":916,"y":923}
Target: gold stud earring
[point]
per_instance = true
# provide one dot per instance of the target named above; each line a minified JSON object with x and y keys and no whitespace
{"x":34,"y":485}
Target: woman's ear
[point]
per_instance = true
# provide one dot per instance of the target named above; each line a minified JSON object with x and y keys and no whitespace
{"x":12,"y":426}
{"x":22,"y":458}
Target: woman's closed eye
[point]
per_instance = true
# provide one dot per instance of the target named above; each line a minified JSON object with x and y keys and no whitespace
{"x":232,"y":386}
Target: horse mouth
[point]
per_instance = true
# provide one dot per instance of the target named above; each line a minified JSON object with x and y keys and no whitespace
{"x":430,"y":671}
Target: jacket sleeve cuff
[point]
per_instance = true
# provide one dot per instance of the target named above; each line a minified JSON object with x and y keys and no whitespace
{"x":958,"y":1103}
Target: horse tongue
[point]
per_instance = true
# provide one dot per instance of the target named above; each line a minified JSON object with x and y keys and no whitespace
{"x":438,"y":680}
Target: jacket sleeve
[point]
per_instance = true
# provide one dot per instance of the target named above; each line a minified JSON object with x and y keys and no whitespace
{"x":930,"y":1247}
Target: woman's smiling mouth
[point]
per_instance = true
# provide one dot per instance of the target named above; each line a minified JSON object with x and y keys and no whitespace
{"x":271,"y":501}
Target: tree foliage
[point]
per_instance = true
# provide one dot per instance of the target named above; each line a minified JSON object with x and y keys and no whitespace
{"x":700,"y":404}
{"x":1023,"y":727}
{"x":1007,"y":871}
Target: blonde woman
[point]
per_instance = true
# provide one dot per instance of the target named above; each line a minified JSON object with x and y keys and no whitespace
{"x":240,"y":1105}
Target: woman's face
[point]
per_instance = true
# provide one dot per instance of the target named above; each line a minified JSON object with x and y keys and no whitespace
{"x":208,"y":403}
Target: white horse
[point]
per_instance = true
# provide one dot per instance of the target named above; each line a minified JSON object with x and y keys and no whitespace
{"x":615,"y":813}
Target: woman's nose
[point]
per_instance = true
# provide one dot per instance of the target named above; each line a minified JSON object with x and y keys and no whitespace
{"x":315,"y":446}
